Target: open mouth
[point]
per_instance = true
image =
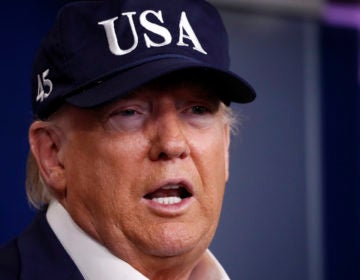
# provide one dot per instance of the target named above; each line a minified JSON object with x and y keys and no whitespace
{"x":169,"y":194}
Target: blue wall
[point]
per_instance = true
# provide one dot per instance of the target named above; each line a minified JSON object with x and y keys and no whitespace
{"x":263,"y":231}
{"x":22,"y":27}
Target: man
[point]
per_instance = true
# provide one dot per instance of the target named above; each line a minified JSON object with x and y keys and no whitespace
{"x":129,"y":145}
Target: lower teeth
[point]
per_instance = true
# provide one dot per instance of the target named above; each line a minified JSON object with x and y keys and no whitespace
{"x":167,"y":200}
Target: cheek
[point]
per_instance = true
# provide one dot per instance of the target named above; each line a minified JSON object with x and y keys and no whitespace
{"x":95,"y":171}
{"x":210,"y":154}
{"x":102,"y":191}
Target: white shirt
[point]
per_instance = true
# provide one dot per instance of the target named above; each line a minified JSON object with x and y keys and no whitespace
{"x":96,"y":262}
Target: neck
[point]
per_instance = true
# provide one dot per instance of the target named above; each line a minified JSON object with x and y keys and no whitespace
{"x":180,"y":267}
{"x":204,"y":268}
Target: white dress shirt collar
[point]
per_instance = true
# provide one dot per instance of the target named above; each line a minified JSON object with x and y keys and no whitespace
{"x":94,"y":261}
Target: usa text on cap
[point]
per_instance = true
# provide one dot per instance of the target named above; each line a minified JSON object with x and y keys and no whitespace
{"x":98,"y":51}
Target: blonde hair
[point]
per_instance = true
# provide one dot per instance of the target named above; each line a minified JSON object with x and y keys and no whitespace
{"x":37,"y":191}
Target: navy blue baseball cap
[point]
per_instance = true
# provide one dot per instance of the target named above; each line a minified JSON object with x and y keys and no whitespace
{"x":98,"y":51}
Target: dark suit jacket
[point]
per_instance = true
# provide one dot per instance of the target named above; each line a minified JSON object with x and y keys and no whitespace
{"x":37,"y":254}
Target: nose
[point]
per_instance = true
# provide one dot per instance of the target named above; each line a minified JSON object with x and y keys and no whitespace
{"x":169,"y":141}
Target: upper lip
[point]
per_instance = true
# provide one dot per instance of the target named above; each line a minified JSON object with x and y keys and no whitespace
{"x":179,"y":182}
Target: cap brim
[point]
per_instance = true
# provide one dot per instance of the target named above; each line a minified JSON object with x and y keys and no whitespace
{"x":123,"y":82}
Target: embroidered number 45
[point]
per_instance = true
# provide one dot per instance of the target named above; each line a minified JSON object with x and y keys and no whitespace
{"x":45,"y":86}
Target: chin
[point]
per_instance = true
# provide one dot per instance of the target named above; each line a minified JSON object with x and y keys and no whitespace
{"x":171,"y":241}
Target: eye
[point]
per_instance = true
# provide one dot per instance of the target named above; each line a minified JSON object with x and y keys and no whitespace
{"x":126,"y":113}
{"x":200,"y":110}
{"x":126,"y":119}
{"x":199,"y":115}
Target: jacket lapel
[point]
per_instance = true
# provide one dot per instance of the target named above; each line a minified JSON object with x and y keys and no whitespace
{"x":42,"y":255}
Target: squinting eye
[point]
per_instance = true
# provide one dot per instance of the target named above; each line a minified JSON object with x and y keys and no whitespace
{"x":127,"y":113}
{"x":126,"y":119}
{"x":199,"y":116}
{"x":199,"y":110}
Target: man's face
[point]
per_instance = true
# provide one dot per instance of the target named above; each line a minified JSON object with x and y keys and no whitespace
{"x":146,"y":175}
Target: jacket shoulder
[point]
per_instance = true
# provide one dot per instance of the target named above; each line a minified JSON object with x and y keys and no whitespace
{"x":41,"y":253}
{"x":9,"y":261}
{"x":37,"y":254}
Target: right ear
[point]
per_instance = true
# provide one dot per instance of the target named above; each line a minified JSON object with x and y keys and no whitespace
{"x":46,"y":143}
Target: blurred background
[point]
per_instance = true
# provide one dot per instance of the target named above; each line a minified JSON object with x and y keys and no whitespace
{"x":292,"y":205}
